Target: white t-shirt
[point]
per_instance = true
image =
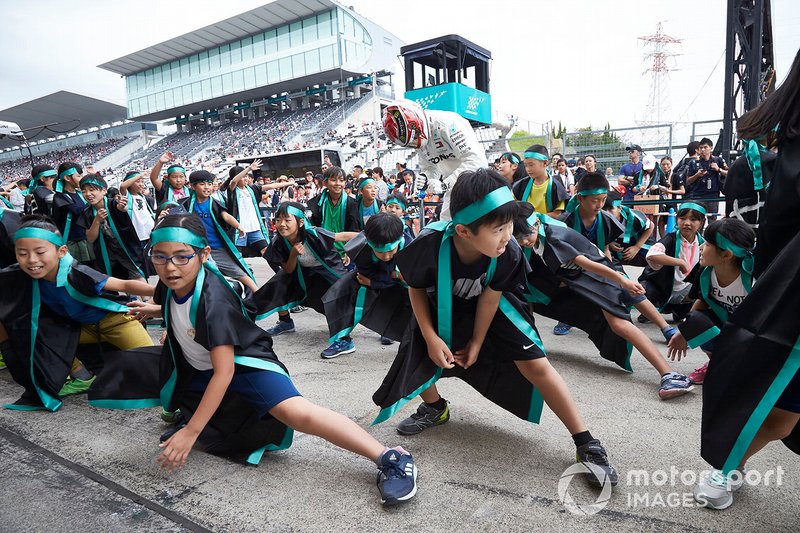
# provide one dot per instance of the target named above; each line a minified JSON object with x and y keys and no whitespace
{"x":248,"y":218}
{"x":195,"y":354}
{"x":307,"y":259}
{"x":728,"y":297}
{"x":141,"y":217}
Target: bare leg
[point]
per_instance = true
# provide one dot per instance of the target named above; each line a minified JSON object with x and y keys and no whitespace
{"x":649,"y":310}
{"x":778,"y":425}
{"x":249,"y":283}
{"x":302,"y":415}
{"x":430,"y":395}
{"x":640,"y":341}
{"x":554,"y":391}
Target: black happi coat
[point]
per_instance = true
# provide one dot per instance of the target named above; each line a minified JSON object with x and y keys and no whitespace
{"x":66,"y":213}
{"x":660,"y":282}
{"x":351,"y":215}
{"x":742,"y":200}
{"x":119,"y":253}
{"x":757,"y":353}
{"x":558,"y":194}
{"x":222,"y":319}
{"x":608,"y":224}
{"x":9,"y":224}
{"x":286,"y":290}
{"x":511,"y":335}
{"x":781,"y":219}
{"x":384,"y":305}
{"x":637,"y":221}
{"x":41,"y":366}
{"x":575,"y":296}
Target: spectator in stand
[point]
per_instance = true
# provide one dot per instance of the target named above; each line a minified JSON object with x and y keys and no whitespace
{"x":674,"y":188}
{"x":706,"y":175}
{"x":630,"y":171}
{"x":380,"y":182}
{"x":609,"y":172}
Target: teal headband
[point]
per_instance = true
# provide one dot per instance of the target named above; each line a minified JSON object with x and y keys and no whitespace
{"x":691,"y":205}
{"x":736,"y":250}
{"x":752,"y":152}
{"x":536,"y":155}
{"x":92,"y":182}
{"x":296,"y":212}
{"x":68,"y":172}
{"x":132,"y":176}
{"x":173,"y":234}
{"x":496,"y":198}
{"x":512,"y":158}
{"x":746,"y":255}
{"x":396,"y":201}
{"x":39,"y":233}
{"x":573,"y":204}
{"x":366,"y":182}
{"x":616,"y":203}
{"x":592,"y":192}
{"x":45,"y":174}
{"x":175,"y":168}
{"x":386,"y":247}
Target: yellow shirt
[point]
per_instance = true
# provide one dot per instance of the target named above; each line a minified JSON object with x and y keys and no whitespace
{"x":537,"y":198}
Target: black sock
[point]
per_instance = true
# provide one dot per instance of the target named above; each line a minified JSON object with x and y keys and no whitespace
{"x":582,"y":438}
{"x":285,"y":318}
{"x":347,"y":339}
{"x":438,"y":404}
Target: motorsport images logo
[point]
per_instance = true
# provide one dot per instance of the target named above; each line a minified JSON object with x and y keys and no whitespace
{"x":659,"y":488}
{"x":567,"y":500}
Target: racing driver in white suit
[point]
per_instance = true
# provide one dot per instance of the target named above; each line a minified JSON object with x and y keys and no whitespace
{"x":446,"y":143}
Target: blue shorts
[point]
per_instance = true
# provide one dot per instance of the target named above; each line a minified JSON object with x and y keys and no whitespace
{"x":251,"y":237}
{"x":790,"y":399}
{"x":263,"y":389}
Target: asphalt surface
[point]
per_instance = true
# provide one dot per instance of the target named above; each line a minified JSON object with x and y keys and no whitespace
{"x":89,"y":469}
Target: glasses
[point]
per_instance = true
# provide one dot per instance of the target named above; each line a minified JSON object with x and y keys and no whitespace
{"x":177,"y":260}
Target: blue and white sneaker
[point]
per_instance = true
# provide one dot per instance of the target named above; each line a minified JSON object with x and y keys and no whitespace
{"x":338,"y":348}
{"x":674,"y":384}
{"x":281,"y":327}
{"x":397,"y":477}
{"x":561,"y":329}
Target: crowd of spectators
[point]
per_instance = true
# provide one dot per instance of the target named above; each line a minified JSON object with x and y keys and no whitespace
{"x":86,"y":154}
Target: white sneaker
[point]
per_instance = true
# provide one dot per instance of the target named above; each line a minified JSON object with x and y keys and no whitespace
{"x":715,"y":491}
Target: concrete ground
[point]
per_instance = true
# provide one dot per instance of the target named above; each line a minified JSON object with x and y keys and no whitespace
{"x":90,"y":469}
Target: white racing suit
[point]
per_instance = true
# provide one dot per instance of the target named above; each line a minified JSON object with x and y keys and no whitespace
{"x":451,"y":149}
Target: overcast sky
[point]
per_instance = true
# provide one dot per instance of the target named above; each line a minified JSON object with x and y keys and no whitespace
{"x":577,"y":61}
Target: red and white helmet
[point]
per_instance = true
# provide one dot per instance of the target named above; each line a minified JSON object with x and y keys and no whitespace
{"x":404,"y":123}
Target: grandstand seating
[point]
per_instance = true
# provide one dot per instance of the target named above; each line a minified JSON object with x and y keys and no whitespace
{"x":217,"y":146}
{"x":88,"y":153}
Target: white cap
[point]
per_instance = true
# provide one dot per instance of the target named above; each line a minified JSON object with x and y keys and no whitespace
{"x":649,"y":162}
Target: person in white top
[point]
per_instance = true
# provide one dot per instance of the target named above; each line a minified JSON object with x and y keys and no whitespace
{"x":244,"y":197}
{"x":141,"y":210}
{"x":446,"y":143}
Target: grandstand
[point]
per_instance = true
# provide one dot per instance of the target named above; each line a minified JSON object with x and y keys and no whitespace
{"x":68,"y":126}
{"x":288,"y":75}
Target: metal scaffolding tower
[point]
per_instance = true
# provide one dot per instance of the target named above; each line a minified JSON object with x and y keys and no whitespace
{"x":749,"y":65}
